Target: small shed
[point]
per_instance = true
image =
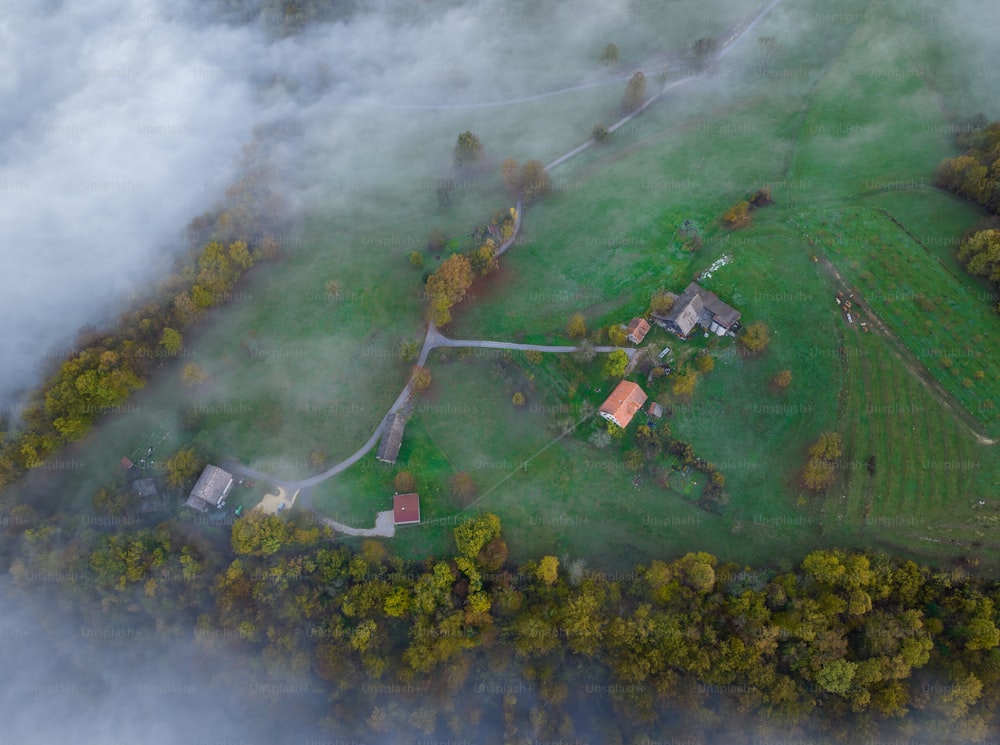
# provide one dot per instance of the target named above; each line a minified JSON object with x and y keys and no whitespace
{"x":636,"y":330}
{"x":406,"y":509}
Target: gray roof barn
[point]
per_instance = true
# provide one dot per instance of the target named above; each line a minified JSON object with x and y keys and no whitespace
{"x":697,"y":306}
{"x":392,"y":438}
{"x":211,"y":490}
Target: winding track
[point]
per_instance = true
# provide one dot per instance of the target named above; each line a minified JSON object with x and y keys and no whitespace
{"x":434,"y":339}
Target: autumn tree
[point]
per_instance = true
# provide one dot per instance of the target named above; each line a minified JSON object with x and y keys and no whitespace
{"x":661,"y":303}
{"x":437,"y":240}
{"x":548,"y":570}
{"x":447,"y":286}
{"x":518,"y":399}
{"x":417,"y":259}
{"x":705,"y":363}
{"x":113,"y":501}
{"x":755,"y":337}
{"x":738,"y":215}
{"x":463,"y":487}
{"x":702,"y":50}
{"x":472,"y":535}
{"x":761,"y":197}
{"x":511,"y":172}
{"x":783,"y":378}
{"x":420,"y":378}
{"x":635,"y":93}
{"x":182,"y":467}
{"x":576,"y":327}
{"x":468,"y":149}
{"x":684,"y":383}
{"x":192,"y":375}
{"x":404,"y":482}
{"x":617,"y":335}
{"x":819,"y":471}
{"x":980,"y":253}
{"x":259,"y":534}
{"x":483,"y":260}
{"x":535,"y":180}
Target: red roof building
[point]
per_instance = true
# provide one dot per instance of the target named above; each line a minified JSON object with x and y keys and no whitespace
{"x":636,"y":330}
{"x":623,"y":403}
{"x":406,"y":509}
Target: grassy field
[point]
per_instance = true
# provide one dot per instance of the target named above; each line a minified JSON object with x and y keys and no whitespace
{"x":846,"y":132}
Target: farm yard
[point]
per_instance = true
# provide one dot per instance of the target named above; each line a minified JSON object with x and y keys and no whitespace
{"x":302,"y":366}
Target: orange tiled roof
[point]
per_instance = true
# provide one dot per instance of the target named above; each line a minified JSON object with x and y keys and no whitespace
{"x":625,"y":400}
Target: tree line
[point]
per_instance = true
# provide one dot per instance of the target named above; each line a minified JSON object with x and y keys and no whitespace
{"x":975,"y":175}
{"x":844,"y":643}
{"x":107,"y":366}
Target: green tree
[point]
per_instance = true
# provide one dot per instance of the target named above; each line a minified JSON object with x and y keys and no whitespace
{"x":610,"y":55}
{"x":982,"y":633}
{"x":417,"y":259}
{"x":171,"y":342}
{"x":182,"y":467}
{"x":468,"y":149}
{"x":408,"y":351}
{"x":836,"y":676}
{"x":614,"y":366}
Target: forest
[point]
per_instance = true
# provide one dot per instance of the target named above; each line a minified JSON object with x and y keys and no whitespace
{"x":975,"y":175}
{"x":845,"y":642}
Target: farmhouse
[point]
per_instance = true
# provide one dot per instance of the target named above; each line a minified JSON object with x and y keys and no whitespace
{"x":211,"y":490}
{"x":405,"y":509}
{"x":623,"y":403}
{"x":636,"y":330}
{"x":696,"y":306}
{"x":392,"y":438}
